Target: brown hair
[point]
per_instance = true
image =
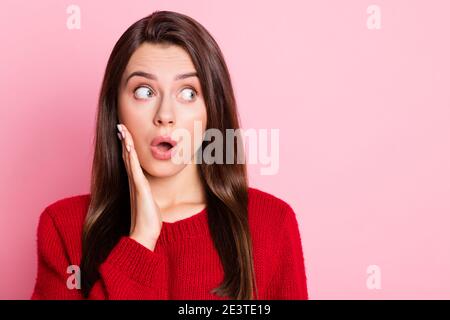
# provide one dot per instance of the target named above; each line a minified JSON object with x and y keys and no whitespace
{"x":225,"y":185}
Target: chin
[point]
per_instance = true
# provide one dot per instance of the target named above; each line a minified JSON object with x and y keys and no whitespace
{"x":161,"y":169}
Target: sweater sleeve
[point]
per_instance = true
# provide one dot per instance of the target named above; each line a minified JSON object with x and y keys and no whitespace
{"x":289,"y":279}
{"x":131,"y":271}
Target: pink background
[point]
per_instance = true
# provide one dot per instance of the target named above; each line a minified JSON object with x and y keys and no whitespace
{"x":363,"y":118}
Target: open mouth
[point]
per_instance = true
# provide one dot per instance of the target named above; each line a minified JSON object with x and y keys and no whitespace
{"x":164,"y":146}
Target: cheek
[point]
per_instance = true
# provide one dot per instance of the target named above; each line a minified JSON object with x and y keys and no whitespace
{"x":125,"y":109}
{"x":129,"y":111}
{"x":193,"y":121}
{"x":201,"y":115}
{"x":189,"y":117}
{"x":135,"y":120}
{"x":204,"y":118}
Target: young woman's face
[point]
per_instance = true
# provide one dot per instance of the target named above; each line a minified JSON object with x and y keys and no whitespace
{"x":159,"y":93}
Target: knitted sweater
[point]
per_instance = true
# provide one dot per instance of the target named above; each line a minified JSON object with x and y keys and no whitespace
{"x":184,"y":263}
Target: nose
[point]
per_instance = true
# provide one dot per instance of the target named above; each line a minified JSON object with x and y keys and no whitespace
{"x":165,"y":114}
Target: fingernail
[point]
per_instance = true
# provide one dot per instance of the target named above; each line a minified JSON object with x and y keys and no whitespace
{"x":119,"y":135}
{"x":128,"y":148}
{"x":119,"y":128}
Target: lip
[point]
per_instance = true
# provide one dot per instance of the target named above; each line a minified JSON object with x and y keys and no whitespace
{"x":157,"y":140}
{"x":160,"y":154}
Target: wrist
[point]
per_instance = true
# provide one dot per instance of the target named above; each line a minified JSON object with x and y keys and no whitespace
{"x":146,"y":241}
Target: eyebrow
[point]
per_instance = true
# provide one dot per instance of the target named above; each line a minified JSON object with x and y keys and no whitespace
{"x":153,"y":77}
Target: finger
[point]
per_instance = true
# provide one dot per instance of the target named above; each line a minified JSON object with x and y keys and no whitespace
{"x":136,"y":169}
{"x":133,"y":179}
{"x":127,"y":142}
{"x":135,"y":166}
{"x":125,"y":157}
{"x":126,"y":134}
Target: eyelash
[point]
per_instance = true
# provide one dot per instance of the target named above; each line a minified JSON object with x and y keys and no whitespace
{"x":187,"y":87}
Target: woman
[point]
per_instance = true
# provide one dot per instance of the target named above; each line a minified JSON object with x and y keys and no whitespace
{"x":154,"y":228}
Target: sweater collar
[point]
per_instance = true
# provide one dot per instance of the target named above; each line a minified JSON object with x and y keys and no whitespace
{"x":193,"y":226}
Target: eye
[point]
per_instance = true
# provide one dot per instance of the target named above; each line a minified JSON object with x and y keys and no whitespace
{"x":143,"y":93}
{"x":188,"y":94}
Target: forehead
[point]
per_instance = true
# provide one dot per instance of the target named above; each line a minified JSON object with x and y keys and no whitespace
{"x":160,"y":59}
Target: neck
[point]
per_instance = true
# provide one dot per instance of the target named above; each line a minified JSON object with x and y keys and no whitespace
{"x":183,"y":187}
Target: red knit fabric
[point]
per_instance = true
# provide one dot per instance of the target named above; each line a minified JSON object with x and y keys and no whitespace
{"x":184,"y":263}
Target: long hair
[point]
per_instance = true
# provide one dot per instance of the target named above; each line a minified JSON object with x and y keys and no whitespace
{"x":225,"y":185}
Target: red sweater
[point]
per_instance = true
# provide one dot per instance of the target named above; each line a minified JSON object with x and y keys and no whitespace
{"x":184,"y":263}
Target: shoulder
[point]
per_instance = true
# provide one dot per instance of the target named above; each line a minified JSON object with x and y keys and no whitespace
{"x":266,"y":207}
{"x":59,"y":231}
{"x":274,"y":229}
{"x":72,"y":208}
{"x":259,"y":199}
{"x":64,"y":217}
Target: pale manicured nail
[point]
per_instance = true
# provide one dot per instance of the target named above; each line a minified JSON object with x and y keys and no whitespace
{"x":119,"y":127}
{"x":119,"y":135}
{"x":128,"y":148}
